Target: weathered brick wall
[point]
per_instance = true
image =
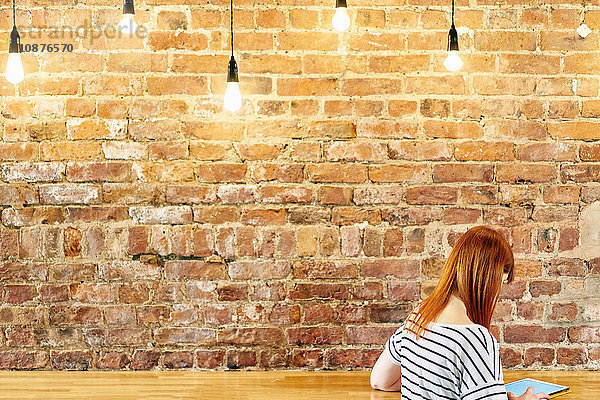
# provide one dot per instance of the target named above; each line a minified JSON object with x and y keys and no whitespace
{"x":144,"y":227}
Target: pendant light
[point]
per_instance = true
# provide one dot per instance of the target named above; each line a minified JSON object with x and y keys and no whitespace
{"x":340,"y":20}
{"x":14,"y":66}
{"x":127,"y":24}
{"x":453,"y":61}
{"x":233,"y":98}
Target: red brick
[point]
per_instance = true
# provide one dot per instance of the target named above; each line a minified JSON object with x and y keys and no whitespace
{"x":529,"y":64}
{"x":19,"y":294}
{"x":236,"y":359}
{"x":580,"y":172}
{"x":546,"y":152}
{"x":277,"y":172}
{"x":571,"y":356}
{"x":551,"y":214}
{"x":530,"y":311}
{"x":442,"y":85}
{"x":314,"y":335}
{"x":369,"y":334}
{"x":17,"y":359}
{"x":351,"y":358}
{"x":93,"y":292}
{"x":336,"y":172}
{"x":381,"y":268}
{"x":74,"y":315}
{"x":351,"y":216}
{"x":412,"y":216}
{"x":144,"y":359}
{"x":513,"y":290}
{"x":541,"y":355}
{"x":335,"y":195}
{"x":209,"y":359}
{"x":221,"y":172}
{"x":180,"y":270}
{"x":419,"y":151}
{"x":370,"y":86}
{"x":431,"y":195}
{"x":561,"y":194}
{"x":307,"y":87}
{"x":179,"y":40}
{"x":31,"y":216}
{"x":510,"y":357}
{"x":569,"y":239}
{"x":385,"y":129}
{"x":584,"y":334}
{"x":373,"y":195}
{"x":505,"y":41}
{"x":251,"y":336}
{"x":526,"y":172}
{"x":580,"y":130}
{"x":259,"y":270}
{"x":161,"y":215}
{"x":398,"y":173}
{"x":452,"y":130}
{"x":533,"y":334}
{"x":33,"y":172}
{"x":563,"y":312}
{"x":516,"y":129}
{"x":445,"y":173}
{"x":112,"y":360}
{"x":306,"y":291}
{"x":262,"y":216}
{"x":178,"y":359}
{"x":307,"y":41}
{"x":54,"y":293}
{"x":538,"y":288}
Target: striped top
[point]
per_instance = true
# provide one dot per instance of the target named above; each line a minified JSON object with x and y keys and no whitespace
{"x":448,"y":362}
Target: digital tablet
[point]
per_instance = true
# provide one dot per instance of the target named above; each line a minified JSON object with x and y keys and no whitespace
{"x":519,"y":387}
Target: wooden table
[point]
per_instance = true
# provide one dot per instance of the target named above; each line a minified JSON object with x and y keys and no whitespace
{"x":233,"y":385}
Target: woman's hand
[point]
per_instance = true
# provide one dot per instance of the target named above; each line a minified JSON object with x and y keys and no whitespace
{"x":528,"y":395}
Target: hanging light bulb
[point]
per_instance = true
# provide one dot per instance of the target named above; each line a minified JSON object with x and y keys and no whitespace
{"x":453,"y":61}
{"x":340,"y":20}
{"x":14,"y":66}
{"x":233,"y":97}
{"x":127,"y":24}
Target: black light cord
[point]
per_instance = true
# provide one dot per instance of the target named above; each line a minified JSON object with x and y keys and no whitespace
{"x":231,"y":24}
{"x":14,"y":14}
{"x":452,"y":12}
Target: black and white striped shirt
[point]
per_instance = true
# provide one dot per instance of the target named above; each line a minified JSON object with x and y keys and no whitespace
{"x":448,"y":362}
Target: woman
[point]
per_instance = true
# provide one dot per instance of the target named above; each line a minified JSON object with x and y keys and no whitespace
{"x":455,"y":357}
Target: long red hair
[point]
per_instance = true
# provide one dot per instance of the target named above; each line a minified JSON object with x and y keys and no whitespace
{"x":473,"y":273}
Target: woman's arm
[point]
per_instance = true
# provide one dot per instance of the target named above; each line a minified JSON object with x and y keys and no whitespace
{"x":385,"y":375}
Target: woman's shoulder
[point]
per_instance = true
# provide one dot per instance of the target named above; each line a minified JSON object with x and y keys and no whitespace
{"x":476,"y":335}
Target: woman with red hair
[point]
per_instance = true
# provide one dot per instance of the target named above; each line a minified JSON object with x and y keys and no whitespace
{"x":444,"y":349}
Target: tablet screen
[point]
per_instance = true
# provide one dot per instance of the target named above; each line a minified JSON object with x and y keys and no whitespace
{"x":519,"y":387}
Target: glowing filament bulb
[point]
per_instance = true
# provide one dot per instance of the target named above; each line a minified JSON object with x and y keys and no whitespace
{"x":233,"y":97}
{"x":340,"y":20}
{"x":14,"y":69}
{"x":127,"y":24}
{"x":453,"y":61}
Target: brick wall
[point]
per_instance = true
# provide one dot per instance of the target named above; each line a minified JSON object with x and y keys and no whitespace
{"x":144,"y":227}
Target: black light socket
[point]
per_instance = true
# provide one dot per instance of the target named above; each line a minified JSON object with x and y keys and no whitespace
{"x":15,"y":41}
{"x":232,"y":74}
{"x":340,"y":3}
{"x":452,"y":39}
{"x":128,"y":7}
